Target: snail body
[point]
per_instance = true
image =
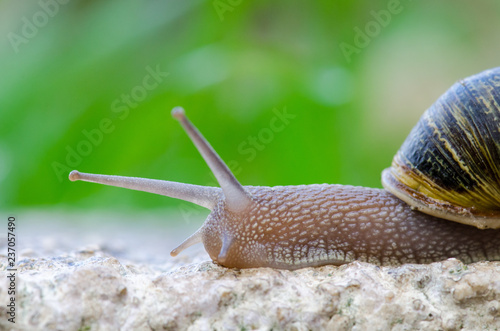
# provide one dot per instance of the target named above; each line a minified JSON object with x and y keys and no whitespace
{"x":291,"y":227}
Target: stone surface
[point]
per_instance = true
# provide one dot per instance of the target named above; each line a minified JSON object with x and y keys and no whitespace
{"x":105,"y":287}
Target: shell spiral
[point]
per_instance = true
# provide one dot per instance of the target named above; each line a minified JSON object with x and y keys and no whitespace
{"x":449,"y":165}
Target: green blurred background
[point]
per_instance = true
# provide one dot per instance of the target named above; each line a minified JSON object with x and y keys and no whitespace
{"x":66,"y":66}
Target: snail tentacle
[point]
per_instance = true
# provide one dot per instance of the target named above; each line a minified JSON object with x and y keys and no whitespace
{"x":193,"y":239}
{"x":204,"y":196}
{"x":237,"y":198}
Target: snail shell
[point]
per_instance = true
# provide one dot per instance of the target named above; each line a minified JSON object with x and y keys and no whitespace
{"x":449,"y":165}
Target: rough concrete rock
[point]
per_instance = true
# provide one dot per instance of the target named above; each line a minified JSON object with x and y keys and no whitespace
{"x":125,"y":280}
{"x":91,"y":290}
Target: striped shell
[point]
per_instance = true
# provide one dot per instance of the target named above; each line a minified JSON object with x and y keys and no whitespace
{"x":449,"y":165}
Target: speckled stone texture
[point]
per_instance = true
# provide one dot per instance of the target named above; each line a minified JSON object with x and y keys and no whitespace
{"x":95,"y":291}
{"x":102,"y":287}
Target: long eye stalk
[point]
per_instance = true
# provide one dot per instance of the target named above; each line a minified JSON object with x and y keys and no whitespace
{"x":204,"y":196}
{"x":237,"y":198}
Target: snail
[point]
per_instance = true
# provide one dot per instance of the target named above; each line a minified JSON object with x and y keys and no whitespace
{"x":441,"y":198}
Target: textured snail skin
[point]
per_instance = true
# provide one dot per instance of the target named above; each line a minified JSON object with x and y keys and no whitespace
{"x":291,"y":227}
